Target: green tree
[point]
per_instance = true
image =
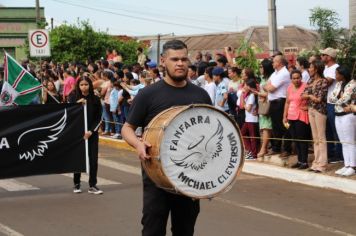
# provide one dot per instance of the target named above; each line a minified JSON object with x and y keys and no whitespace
{"x":327,"y":24}
{"x":246,"y":56}
{"x":347,"y":53}
{"x":80,"y":42}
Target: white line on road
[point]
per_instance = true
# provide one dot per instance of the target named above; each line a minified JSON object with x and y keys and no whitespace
{"x":295,"y":220}
{"x":8,"y":231}
{"x":13,"y":185}
{"x":137,"y":171}
{"x":101,"y":181}
{"x":120,"y":166}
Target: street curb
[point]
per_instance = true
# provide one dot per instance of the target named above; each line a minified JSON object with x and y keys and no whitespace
{"x":120,"y":144}
{"x":302,"y":177}
{"x":276,"y":172}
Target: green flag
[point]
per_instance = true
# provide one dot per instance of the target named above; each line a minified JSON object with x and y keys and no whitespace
{"x":19,"y":87}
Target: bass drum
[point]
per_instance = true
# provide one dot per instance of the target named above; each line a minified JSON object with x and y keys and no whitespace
{"x":197,"y":151}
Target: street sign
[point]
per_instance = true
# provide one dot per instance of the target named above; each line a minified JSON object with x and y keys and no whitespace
{"x":39,"y":43}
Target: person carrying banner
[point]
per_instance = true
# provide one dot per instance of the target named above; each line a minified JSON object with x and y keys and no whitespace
{"x":85,"y":94}
{"x":173,"y":90}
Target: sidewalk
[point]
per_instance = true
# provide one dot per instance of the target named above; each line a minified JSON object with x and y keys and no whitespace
{"x":274,"y":167}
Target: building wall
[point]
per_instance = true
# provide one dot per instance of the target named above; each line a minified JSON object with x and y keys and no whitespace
{"x":352,"y":13}
{"x":15,"y":22}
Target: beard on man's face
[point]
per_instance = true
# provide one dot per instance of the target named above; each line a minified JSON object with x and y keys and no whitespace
{"x":177,"y":78}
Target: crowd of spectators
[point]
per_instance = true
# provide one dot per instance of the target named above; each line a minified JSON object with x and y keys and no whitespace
{"x":288,"y":107}
{"x":309,"y":103}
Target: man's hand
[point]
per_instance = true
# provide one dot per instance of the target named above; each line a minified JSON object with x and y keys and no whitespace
{"x":141,"y":149}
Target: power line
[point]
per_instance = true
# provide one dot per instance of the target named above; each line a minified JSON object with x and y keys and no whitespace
{"x":181,"y":16}
{"x":138,"y":17}
{"x":197,"y":13}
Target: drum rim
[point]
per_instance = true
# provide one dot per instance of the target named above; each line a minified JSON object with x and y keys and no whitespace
{"x":240,"y":166}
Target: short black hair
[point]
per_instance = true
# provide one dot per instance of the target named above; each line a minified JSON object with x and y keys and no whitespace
{"x":236,"y":70}
{"x":267,"y":66}
{"x":193,"y":68}
{"x":303,"y":62}
{"x":295,"y":71}
{"x":174,"y":44}
{"x":105,"y":63}
{"x":222,"y":60}
{"x":209,"y":71}
{"x":201,"y":68}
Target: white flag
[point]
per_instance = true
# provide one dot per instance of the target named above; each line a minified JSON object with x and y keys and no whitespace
{"x":8,"y":94}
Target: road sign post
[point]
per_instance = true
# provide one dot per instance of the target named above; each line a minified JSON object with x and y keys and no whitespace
{"x":39,"y":43}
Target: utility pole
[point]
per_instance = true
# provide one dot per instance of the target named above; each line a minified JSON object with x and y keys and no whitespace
{"x":38,"y":16}
{"x":52,"y":23}
{"x":158,"y":49}
{"x":272,"y":27}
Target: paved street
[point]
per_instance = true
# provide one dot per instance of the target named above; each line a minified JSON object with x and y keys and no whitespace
{"x":45,"y":205}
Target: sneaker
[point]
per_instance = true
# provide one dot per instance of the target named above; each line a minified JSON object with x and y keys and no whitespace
{"x":117,"y":136}
{"x":248,"y":155}
{"x":349,"y":172}
{"x":296,"y":165}
{"x":77,"y":189}
{"x":303,"y":166}
{"x":341,"y":171}
{"x":95,"y":190}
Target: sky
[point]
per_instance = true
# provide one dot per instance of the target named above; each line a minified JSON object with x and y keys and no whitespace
{"x":152,"y":17}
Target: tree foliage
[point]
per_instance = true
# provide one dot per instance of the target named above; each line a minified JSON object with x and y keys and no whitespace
{"x":347,"y":51}
{"x":327,"y":23}
{"x":331,"y":35}
{"x":246,"y":56}
{"x":80,"y":42}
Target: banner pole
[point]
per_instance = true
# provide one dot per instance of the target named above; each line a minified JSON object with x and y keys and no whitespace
{"x":86,"y":140}
{"x":41,"y":98}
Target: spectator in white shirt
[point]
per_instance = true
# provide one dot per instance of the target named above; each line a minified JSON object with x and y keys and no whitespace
{"x":277,"y":91}
{"x":328,"y":56}
{"x":210,"y":86}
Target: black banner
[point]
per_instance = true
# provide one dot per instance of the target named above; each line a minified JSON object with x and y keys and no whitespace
{"x":41,"y":139}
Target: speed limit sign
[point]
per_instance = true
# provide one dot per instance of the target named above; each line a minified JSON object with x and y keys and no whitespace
{"x":39,"y":43}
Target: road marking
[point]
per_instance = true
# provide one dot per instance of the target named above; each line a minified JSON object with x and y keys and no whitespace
{"x":274,"y":214}
{"x":13,"y":185}
{"x":120,"y":166}
{"x":137,"y":171}
{"x":101,"y":181}
{"x":8,"y":231}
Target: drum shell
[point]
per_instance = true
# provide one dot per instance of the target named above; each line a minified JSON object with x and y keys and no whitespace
{"x":154,"y":134}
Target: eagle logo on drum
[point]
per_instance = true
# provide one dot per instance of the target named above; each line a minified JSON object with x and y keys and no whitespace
{"x":201,"y":150}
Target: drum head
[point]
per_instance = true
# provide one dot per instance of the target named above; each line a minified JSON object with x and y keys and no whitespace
{"x":201,"y":152}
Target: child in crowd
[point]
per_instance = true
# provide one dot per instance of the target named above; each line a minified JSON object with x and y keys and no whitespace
{"x":250,"y":127}
{"x":115,"y":94}
{"x":85,"y":94}
{"x":135,"y":86}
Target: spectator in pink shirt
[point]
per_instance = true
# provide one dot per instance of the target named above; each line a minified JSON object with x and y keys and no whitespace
{"x":68,"y":84}
{"x":296,"y":115}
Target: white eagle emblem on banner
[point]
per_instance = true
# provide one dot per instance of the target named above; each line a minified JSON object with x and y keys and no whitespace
{"x":47,"y":135}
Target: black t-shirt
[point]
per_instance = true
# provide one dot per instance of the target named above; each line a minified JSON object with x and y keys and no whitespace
{"x":126,"y":97}
{"x":160,"y":96}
